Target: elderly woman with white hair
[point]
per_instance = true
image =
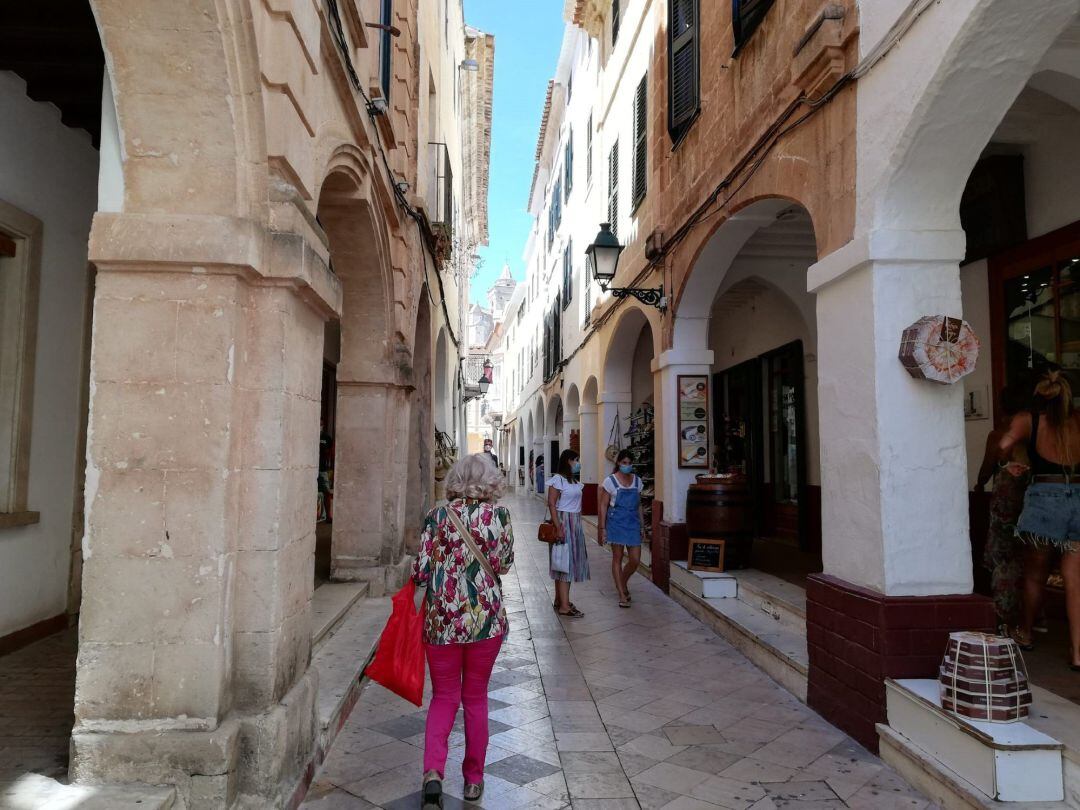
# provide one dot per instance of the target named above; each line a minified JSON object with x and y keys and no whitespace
{"x":465,"y":546}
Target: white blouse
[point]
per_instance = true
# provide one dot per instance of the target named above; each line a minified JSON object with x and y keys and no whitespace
{"x":569,"y":493}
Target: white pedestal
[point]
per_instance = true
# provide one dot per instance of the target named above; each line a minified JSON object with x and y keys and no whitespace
{"x":1009,"y":762}
{"x":705,"y":584}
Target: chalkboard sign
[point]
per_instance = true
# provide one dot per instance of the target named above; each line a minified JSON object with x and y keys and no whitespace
{"x":706,"y":555}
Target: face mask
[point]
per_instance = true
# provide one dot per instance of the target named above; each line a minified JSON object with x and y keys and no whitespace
{"x":575,"y":467}
{"x":626,"y":469}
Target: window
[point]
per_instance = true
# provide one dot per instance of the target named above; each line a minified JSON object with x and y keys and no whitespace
{"x":554,"y":211}
{"x":615,"y":14}
{"x":570,"y":85}
{"x":613,"y":189}
{"x":568,"y":162}
{"x":641,"y":142}
{"x":567,"y":274}
{"x":684,"y":96}
{"x":586,"y":297}
{"x":746,"y":16}
{"x":20,"y":270}
{"x":588,"y":152}
{"x":385,"y":48}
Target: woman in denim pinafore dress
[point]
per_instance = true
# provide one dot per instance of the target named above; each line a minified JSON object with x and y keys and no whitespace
{"x":620,"y":523}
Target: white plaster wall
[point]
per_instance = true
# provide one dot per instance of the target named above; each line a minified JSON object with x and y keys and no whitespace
{"x":51,"y":172}
{"x":641,"y":376}
{"x":975,"y":297}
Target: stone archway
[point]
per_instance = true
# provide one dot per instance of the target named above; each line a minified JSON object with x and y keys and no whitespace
{"x":372,"y":393}
{"x":420,"y":493}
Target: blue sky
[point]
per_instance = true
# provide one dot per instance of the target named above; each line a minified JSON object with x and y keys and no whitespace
{"x":527,"y":40}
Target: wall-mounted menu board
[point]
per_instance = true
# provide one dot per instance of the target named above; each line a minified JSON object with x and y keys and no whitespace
{"x":694,"y":421}
{"x":706,"y":555}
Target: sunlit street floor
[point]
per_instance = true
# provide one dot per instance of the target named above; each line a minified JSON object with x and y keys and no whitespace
{"x":625,"y":708}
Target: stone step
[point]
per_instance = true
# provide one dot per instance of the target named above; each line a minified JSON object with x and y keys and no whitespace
{"x":329,"y":606}
{"x":781,"y":600}
{"x":969,"y":764}
{"x":34,"y":792}
{"x":774,"y":647}
{"x":341,"y":660}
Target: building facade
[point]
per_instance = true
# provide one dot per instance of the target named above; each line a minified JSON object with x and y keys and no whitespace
{"x":800,"y":182}
{"x":235,"y":245}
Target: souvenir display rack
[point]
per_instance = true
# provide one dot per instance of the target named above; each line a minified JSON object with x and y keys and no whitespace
{"x":642,"y":449}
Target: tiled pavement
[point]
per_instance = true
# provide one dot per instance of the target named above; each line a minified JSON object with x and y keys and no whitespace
{"x":37,"y":699}
{"x":622,"y":709}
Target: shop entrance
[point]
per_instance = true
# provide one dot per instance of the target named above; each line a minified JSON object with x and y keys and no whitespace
{"x":760,"y":435}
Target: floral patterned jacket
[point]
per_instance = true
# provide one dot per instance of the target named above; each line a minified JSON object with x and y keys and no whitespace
{"x":463,"y":604}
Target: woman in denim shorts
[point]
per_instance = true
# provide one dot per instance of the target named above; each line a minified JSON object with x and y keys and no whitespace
{"x":1050,"y":520}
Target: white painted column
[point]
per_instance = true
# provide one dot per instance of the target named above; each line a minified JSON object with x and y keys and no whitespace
{"x":671,"y":481}
{"x":570,"y":423}
{"x":893,"y":461}
{"x":590,"y":449}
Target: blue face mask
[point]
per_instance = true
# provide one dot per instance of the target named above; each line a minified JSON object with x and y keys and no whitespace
{"x":626,"y":469}
{"x":575,"y":468}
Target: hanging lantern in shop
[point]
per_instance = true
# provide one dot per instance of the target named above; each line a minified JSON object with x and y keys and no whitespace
{"x":939,"y":349}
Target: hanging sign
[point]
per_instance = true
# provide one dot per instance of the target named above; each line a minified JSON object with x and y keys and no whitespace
{"x":693,"y":421}
{"x":939,"y":349}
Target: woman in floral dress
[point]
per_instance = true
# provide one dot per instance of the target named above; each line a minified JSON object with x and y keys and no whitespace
{"x":1002,"y":555}
{"x":464,"y":618}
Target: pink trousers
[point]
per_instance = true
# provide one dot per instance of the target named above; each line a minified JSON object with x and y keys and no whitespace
{"x":459,"y":675}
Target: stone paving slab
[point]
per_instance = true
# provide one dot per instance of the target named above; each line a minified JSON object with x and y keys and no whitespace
{"x":625,"y":708}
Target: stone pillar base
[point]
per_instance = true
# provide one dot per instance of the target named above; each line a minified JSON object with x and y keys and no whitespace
{"x":857,"y":637}
{"x":247,"y":761}
{"x":590,"y":497}
{"x":381,"y":579}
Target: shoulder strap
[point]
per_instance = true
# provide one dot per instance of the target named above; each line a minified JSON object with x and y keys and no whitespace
{"x":466,"y":535}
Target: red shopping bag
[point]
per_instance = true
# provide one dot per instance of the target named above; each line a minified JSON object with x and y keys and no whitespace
{"x":399,"y":658}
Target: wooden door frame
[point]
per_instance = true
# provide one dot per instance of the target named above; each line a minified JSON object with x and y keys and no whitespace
{"x":797,"y":351}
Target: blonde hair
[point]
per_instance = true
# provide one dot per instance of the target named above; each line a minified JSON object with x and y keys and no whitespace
{"x":475,"y":477}
{"x":1054,"y":389}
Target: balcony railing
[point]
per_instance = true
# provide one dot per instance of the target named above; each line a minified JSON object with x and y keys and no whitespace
{"x":440,"y":201}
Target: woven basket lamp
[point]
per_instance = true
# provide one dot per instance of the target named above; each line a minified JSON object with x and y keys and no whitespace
{"x":983,"y":677}
{"x":939,"y":349}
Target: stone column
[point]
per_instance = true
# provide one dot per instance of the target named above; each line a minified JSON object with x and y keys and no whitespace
{"x":670,"y":539}
{"x":201,"y":455}
{"x":369,"y":482}
{"x":590,"y":458}
{"x":896,"y":549}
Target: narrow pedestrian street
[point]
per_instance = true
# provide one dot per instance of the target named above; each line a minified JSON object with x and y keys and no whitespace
{"x":626,"y":708}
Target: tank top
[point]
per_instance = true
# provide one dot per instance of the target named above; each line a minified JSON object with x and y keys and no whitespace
{"x":1040,"y":465}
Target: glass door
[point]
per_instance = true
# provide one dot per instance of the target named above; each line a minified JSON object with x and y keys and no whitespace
{"x":786,"y":385}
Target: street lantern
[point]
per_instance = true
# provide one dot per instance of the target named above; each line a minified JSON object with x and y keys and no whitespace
{"x":603,"y":254}
{"x":485,"y":381}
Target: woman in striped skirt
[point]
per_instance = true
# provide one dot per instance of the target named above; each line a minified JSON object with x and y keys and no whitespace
{"x":564,"y":504}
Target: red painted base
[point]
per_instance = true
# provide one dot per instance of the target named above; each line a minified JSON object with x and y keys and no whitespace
{"x":590,"y":494}
{"x":858,"y":637}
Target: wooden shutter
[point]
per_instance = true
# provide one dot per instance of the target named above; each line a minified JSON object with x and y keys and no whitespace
{"x":641,"y":143}
{"x":588,"y":152}
{"x":568,"y":274}
{"x":683,"y":80}
{"x":613,"y":189}
{"x":568,"y":161}
{"x":615,"y":14}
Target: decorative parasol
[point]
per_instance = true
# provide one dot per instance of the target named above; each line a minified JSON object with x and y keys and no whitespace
{"x":939,"y":349}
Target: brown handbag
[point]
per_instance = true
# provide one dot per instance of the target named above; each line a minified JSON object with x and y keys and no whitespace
{"x":547,"y":533}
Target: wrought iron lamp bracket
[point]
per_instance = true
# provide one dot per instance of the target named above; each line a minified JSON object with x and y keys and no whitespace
{"x":650,"y":297}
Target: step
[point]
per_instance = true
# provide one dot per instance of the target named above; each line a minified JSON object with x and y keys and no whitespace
{"x":782,"y":600}
{"x":329,"y":605}
{"x":704,"y":584}
{"x":777,"y":649}
{"x":965,"y":763}
{"x":341,"y":660}
{"x":34,"y":792}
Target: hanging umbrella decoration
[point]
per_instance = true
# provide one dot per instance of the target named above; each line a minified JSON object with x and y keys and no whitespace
{"x":939,"y":349}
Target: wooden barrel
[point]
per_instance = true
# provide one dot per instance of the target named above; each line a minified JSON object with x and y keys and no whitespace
{"x":723,"y":509}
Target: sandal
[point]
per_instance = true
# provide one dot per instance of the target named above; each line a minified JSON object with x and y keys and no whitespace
{"x":1025,"y":645}
{"x":473,"y":792}
{"x":624,"y":603}
{"x":432,"y":791}
{"x":572,"y":613}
